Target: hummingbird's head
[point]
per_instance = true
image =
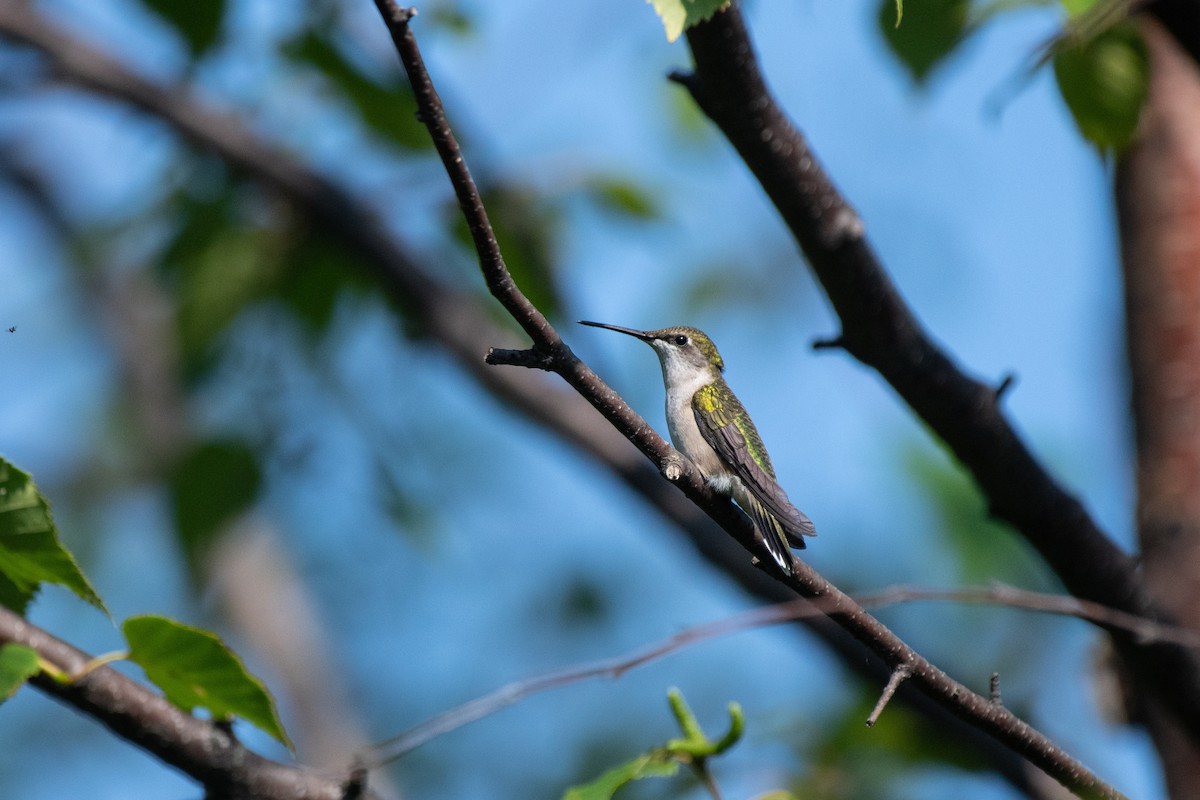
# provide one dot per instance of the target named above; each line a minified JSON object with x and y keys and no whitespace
{"x":683,"y":351}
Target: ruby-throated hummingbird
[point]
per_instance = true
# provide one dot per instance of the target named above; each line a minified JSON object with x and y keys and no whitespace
{"x":711,"y":428}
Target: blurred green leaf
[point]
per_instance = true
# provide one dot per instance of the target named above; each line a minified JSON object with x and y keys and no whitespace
{"x":195,"y":669}
{"x":219,"y":265}
{"x":17,"y":665}
{"x":30,"y":551}
{"x":624,"y":197}
{"x":853,"y":761}
{"x":986,"y":550}
{"x":931,"y":31}
{"x":237,"y":268}
{"x":389,"y":108}
{"x":1104,"y":81}
{"x":581,"y":603}
{"x":727,"y":285}
{"x":451,"y":19}
{"x":211,"y":486}
{"x":197,"y":21}
{"x":319,"y":270}
{"x":679,"y":15}
{"x":526,"y":229}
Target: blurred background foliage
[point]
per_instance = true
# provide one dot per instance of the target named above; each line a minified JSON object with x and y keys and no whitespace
{"x":199,"y":366}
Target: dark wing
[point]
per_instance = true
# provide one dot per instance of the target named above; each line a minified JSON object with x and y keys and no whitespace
{"x":725,"y":425}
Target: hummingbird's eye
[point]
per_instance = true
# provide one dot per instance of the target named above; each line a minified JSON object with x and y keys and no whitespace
{"x":681,"y":340}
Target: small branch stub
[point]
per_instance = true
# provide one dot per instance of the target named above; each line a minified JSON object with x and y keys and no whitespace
{"x":672,"y":467}
{"x":994,"y":689}
{"x":899,"y":675}
{"x":832,"y":343}
{"x":533,"y":358}
{"x":1006,"y":383}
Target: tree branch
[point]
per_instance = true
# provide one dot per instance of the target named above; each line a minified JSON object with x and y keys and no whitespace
{"x":200,"y":748}
{"x":997,"y":720}
{"x":1000,"y":595}
{"x":879,"y":330}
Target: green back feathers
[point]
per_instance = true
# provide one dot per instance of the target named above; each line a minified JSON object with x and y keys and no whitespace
{"x":718,"y":407}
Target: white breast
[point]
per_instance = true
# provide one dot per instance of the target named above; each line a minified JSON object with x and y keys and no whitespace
{"x":685,"y":433}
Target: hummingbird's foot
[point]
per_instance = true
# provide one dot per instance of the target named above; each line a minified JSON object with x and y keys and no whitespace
{"x":672,"y":467}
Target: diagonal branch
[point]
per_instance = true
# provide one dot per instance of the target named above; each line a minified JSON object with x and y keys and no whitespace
{"x":995,"y":719}
{"x":200,"y":748}
{"x":879,"y":330}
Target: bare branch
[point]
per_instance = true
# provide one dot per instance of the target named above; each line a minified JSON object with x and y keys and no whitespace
{"x":199,"y":748}
{"x":835,"y":231}
{"x":880,"y":330}
{"x":1138,"y":628}
{"x":1004,"y":596}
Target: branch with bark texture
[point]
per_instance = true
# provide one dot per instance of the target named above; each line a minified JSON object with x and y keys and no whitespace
{"x":880,"y":331}
{"x":556,"y":356}
{"x":1157,"y":190}
{"x":202,"y":749}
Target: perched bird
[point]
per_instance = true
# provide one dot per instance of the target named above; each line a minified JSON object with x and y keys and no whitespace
{"x":711,"y":428}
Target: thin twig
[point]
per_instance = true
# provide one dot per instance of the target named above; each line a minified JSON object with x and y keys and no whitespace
{"x":999,"y":595}
{"x":1112,"y":619}
{"x":900,"y":674}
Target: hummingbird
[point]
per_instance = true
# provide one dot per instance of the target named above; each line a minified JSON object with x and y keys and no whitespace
{"x":711,"y":427}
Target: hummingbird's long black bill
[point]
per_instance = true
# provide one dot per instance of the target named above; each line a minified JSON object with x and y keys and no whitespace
{"x":617,"y":328}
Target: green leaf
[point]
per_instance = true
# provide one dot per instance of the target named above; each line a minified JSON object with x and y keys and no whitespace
{"x":212,"y":485}
{"x":219,"y":265}
{"x":197,"y":21}
{"x":17,"y":665}
{"x":624,"y":197}
{"x":30,"y":552}
{"x":1104,"y":82}
{"x":931,"y":31}
{"x":318,"y":271}
{"x":679,"y":15}
{"x":985,"y":549}
{"x":664,"y":761}
{"x":195,"y":669}
{"x":14,"y":597}
{"x":526,"y":229}
{"x":387,"y":108}
{"x":650,"y":765}
{"x":694,"y":743}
